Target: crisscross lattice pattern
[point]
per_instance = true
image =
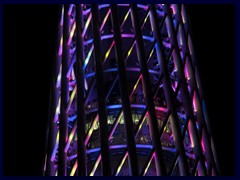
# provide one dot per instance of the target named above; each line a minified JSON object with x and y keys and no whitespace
{"x":126,"y":97}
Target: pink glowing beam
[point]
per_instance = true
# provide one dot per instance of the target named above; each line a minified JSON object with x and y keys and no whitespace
{"x":57,"y":112}
{"x":96,"y":165}
{"x":105,"y":19}
{"x":195,"y":102}
{"x":149,"y":162}
{"x":71,"y":98}
{"x":71,"y":33}
{"x":190,"y":126}
{"x":86,"y":25}
{"x":203,"y":145}
{"x":70,"y":138}
{"x":121,"y":164}
{"x":74,"y":169}
{"x":90,"y":131}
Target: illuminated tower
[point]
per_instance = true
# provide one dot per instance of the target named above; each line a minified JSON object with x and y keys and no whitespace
{"x":126,"y":97}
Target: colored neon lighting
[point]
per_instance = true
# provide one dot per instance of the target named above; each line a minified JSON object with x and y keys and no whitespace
{"x":85,"y":142}
{"x":190,"y":133}
{"x":109,"y":50}
{"x":59,"y":77}
{"x":145,"y":20}
{"x":133,"y":69}
{"x":86,"y":25}
{"x":130,"y":50}
{"x":116,"y":107}
{"x":60,"y":47}
{"x":88,"y":57}
{"x":74,"y":169}
{"x":173,"y":9}
{"x":194,"y":102}
{"x":70,"y":9}
{"x":121,"y":164}
{"x":90,"y":131}
{"x":103,"y":37}
{"x":99,"y":7}
{"x":71,"y":98}
{"x":122,"y":146}
{"x":57,"y":112}
{"x":142,"y":6}
{"x":105,"y":19}
{"x":140,"y":126}
{"x":149,"y":162}
{"x":135,"y":86}
{"x":55,"y":148}
{"x":183,"y":15}
{"x":70,"y":138}
{"x":125,"y":17}
{"x":203,"y":146}
{"x":186,"y":72}
{"x":115,"y":125}
{"x":71,"y":33}
{"x":96,"y":165}
{"x":110,"y":36}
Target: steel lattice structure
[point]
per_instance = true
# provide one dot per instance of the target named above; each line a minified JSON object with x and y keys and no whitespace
{"x":126,"y":97}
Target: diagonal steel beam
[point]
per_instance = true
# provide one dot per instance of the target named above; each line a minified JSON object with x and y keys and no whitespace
{"x":183,"y":165}
{"x":161,"y":169}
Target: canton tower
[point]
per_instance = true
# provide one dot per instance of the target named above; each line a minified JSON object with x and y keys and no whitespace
{"x":126,"y":98}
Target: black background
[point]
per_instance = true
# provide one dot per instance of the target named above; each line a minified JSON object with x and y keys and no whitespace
{"x":29,"y":47}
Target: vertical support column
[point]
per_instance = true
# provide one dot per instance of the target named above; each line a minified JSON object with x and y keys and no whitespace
{"x":128,"y":123}
{"x":63,"y":125}
{"x":184,"y":92}
{"x":183,"y":165}
{"x":160,"y":166}
{"x":102,"y":112}
{"x":210,"y":147}
{"x":81,"y":117}
{"x":54,"y":101}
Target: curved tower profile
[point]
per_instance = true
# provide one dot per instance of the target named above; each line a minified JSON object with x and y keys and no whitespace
{"x":126,"y":98}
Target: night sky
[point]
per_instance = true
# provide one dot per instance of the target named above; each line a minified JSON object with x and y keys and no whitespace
{"x":29,"y":47}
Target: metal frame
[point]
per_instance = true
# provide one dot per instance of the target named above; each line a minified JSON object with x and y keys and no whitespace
{"x":126,"y":86}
